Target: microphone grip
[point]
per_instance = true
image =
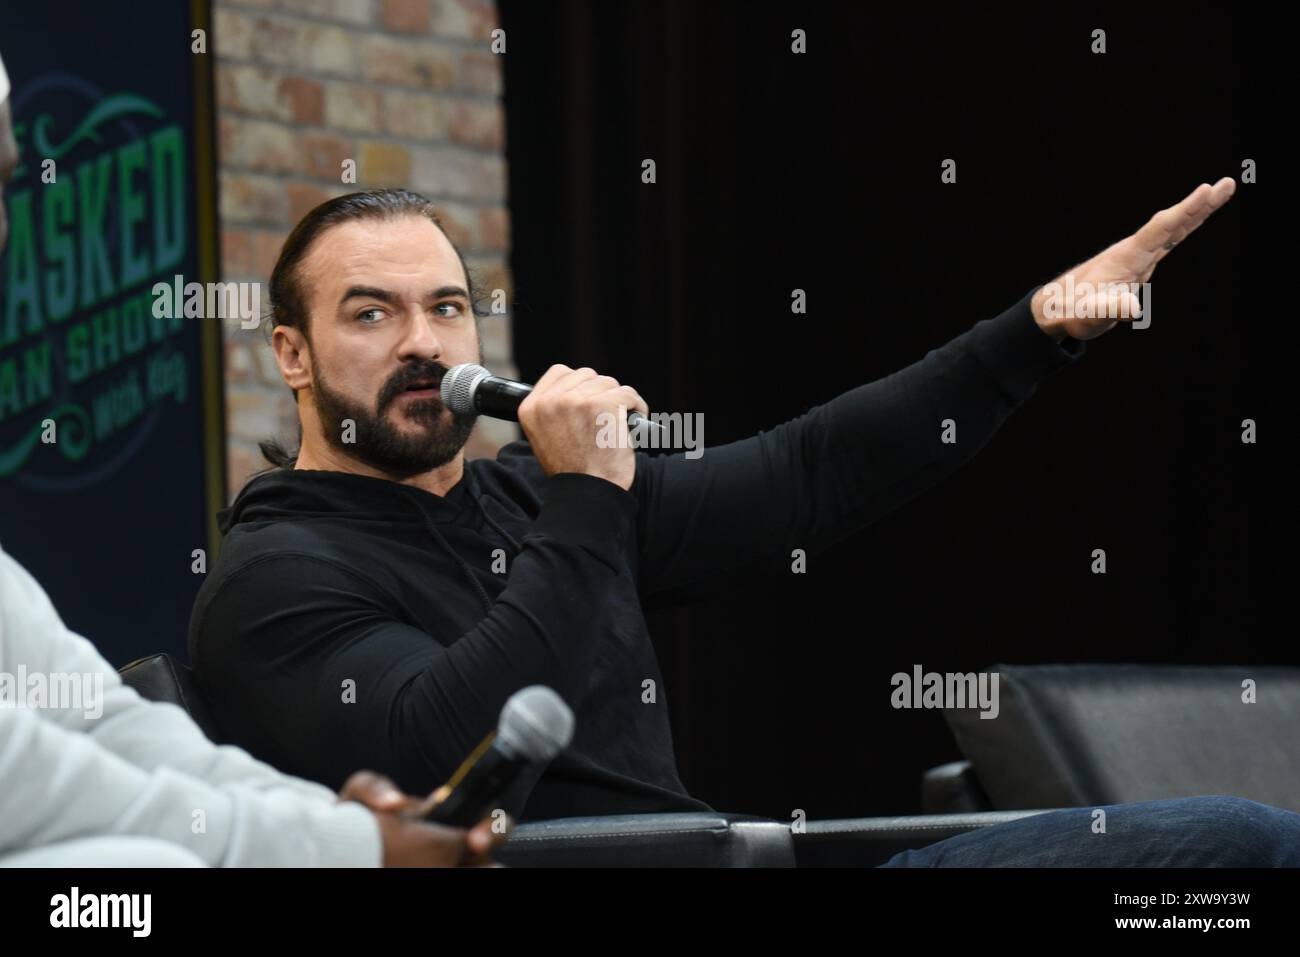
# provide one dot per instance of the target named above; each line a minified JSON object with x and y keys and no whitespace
{"x":502,"y":401}
{"x":479,"y":792}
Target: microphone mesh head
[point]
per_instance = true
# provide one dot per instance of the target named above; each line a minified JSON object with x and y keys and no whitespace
{"x":535,"y":724}
{"x":458,"y":387}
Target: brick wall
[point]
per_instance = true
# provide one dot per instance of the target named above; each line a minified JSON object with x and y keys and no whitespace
{"x":411,"y":91}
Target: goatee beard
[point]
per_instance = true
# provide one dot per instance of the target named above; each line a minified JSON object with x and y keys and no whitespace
{"x":380,"y":444}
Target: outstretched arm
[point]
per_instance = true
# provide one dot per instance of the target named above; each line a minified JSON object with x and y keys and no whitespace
{"x":741,"y":508}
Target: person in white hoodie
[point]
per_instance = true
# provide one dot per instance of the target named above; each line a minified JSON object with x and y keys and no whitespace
{"x":94,"y":775}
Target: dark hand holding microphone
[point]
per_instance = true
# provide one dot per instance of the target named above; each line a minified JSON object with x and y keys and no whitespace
{"x":535,"y":726}
{"x":457,"y":825}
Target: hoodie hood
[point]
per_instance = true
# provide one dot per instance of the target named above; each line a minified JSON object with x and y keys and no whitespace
{"x":287,"y":494}
{"x":307,"y":495}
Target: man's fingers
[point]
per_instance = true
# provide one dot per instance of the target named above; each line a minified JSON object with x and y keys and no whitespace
{"x":482,"y":840}
{"x":573,"y":379}
{"x":1129,"y":307}
{"x":635,"y":403}
{"x":602,"y":385}
{"x":478,"y":846}
{"x":557,"y":371}
{"x":1171,"y":226}
{"x":374,"y":791}
{"x":482,"y":836}
{"x":593,"y":386}
{"x":424,"y":806}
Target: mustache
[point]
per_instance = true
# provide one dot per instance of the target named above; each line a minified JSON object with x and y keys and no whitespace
{"x":407,"y":376}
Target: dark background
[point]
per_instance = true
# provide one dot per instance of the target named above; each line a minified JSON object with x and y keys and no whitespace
{"x":821,"y":172}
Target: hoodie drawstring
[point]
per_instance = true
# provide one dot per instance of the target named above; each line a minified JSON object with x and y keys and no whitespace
{"x":478,"y":495}
{"x":437,"y":535}
{"x":446,"y":546}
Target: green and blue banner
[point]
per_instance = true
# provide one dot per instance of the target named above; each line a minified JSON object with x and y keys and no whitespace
{"x":110,"y":415}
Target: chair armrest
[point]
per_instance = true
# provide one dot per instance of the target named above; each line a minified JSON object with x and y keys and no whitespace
{"x":692,"y":839}
{"x":870,"y":841}
{"x":953,"y":788}
{"x":161,"y":677}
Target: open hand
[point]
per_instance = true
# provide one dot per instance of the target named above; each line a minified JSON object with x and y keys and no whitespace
{"x":1101,"y":293}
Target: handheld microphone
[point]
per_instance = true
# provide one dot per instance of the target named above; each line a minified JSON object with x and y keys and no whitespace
{"x":535,"y":726}
{"x":469,"y":389}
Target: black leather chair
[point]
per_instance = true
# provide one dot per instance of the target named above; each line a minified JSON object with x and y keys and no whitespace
{"x":163,"y":678}
{"x":1090,"y":735}
{"x":869,"y":841}
{"x":953,"y":788}
{"x":713,"y":839}
{"x":651,"y":840}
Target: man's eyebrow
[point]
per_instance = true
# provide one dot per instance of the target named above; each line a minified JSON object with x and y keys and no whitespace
{"x":370,"y":292}
{"x":392,"y":299}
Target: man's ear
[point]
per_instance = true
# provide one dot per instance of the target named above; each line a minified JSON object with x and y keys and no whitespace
{"x":293,"y":355}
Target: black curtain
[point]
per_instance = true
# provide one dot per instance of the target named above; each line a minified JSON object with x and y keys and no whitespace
{"x":821,"y":171}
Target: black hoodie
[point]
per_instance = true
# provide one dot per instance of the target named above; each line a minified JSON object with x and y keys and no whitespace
{"x":353,"y":622}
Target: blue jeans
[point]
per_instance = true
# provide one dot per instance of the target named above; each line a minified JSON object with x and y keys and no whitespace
{"x":1214,"y":831}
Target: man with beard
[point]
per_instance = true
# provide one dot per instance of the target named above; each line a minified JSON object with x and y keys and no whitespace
{"x":378,"y":598}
